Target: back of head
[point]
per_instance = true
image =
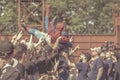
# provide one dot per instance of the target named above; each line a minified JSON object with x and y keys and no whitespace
{"x":96,"y":49}
{"x":6,"y":48}
{"x":20,"y":49}
{"x":48,"y":48}
{"x":87,"y":55}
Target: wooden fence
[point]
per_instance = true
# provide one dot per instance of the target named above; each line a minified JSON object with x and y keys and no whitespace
{"x":85,"y":41}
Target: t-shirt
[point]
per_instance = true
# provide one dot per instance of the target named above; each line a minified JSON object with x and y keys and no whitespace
{"x":108,"y":64}
{"x":64,"y":66}
{"x":55,"y":34}
{"x":10,"y":73}
{"x":21,"y":68}
{"x":98,"y":63}
{"x":83,"y":69}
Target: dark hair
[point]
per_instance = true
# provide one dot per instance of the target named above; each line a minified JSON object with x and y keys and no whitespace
{"x":87,"y":55}
{"x":20,"y":49}
{"x":6,"y":48}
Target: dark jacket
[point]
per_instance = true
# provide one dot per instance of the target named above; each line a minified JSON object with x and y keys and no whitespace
{"x":10,"y":73}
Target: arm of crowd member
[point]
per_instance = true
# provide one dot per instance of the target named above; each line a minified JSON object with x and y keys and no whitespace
{"x":55,"y":46}
{"x":48,"y":39}
{"x":71,"y":39}
{"x":39,"y":42}
{"x":114,"y":58}
{"x":17,"y":37}
{"x":13,"y":38}
{"x":43,"y":76}
{"x":30,"y":40}
{"x":100,"y":72}
{"x":67,"y":59}
{"x":109,"y":71}
{"x":73,"y":50}
{"x":56,"y":65}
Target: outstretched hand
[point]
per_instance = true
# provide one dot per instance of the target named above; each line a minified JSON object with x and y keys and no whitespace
{"x":19,"y":35}
{"x":78,"y":46}
{"x":71,"y":39}
{"x":73,"y":50}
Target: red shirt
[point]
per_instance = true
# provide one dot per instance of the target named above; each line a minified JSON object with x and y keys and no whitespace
{"x":55,"y":34}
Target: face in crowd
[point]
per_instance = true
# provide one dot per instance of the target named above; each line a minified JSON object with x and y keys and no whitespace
{"x":83,"y":58}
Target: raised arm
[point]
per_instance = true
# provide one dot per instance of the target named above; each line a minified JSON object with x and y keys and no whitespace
{"x":73,"y":50}
{"x":55,"y":46}
{"x":100,"y":72}
{"x":13,"y":38}
{"x":68,"y":60}
{"x":17,"y":37}
{"x":39,"y":42}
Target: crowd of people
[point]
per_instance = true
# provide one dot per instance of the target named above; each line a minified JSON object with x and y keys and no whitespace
{"x":52,"y":57}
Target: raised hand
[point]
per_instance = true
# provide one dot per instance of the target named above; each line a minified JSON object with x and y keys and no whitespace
{"x":48,"y":38}
{"x":19,"y":35}
{"x":73,"y":50}
{"x":71,"y":39}
{"x":14,"y":37}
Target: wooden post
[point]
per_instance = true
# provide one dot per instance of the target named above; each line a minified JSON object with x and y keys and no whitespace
{"x":43,"y":15}
{"x":19,"y":23}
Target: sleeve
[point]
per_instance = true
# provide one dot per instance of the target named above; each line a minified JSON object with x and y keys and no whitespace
{"x":15,"y":76}
{"x":110,"y":64}
{"x":79,"y":66}
{"x":99,"y":63}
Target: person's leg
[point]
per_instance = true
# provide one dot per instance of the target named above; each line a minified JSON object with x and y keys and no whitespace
{"x":40,"y":34}
{"x":31,"y":30}
{"x":46,"y":23}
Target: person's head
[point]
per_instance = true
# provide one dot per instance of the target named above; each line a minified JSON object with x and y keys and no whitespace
{"x":20,"y":51}
{"x":95,"y":51}
{"x":108,"y":54}
{"x":102,"y":55}
{"x":82,"y":57}
{"x":47,"y":49}
{"x":6,"y":52}
{"x":85,"y":57}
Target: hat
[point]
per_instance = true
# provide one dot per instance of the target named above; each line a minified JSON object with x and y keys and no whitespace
{"x":96,"y":49}
{"x":64,"y":33}
{"x":6,"y":48}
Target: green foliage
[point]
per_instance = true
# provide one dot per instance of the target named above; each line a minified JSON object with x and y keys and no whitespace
{"x":86,"y":16}
{"x":82,"y":16}
{"x":8,"y":17}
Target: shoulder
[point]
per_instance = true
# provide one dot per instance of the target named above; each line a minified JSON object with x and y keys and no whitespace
{"x":99,"y":60}
{"x":11,"y":74}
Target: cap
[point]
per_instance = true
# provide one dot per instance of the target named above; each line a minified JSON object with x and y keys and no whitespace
{"x":6,"y":48}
